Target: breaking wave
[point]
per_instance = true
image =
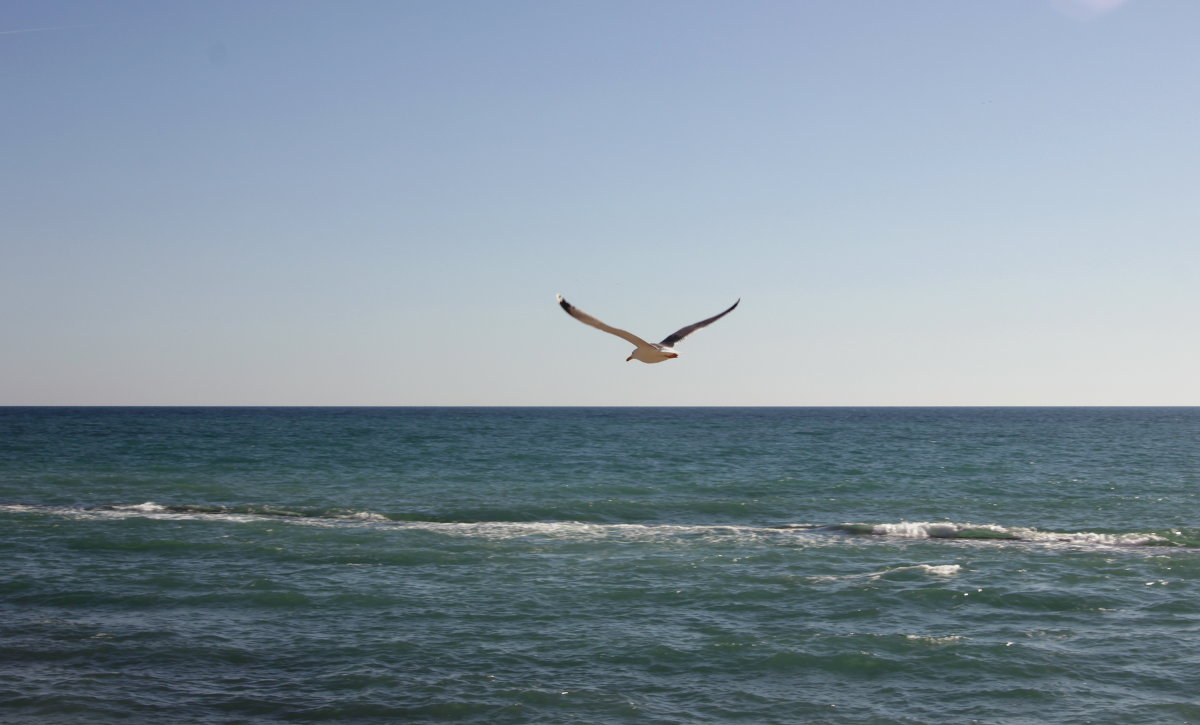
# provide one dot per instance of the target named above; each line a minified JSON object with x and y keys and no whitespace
{"x":949,"y":530}
{"x":593,"y":530}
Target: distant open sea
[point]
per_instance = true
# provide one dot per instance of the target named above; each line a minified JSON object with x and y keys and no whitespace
{"x":600,"y":565}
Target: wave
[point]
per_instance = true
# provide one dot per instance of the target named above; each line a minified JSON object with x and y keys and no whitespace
{"x":325,"y":516}
{"x":150,"y":507}
{"x":950,"y":530}
{"x":941,"y":571}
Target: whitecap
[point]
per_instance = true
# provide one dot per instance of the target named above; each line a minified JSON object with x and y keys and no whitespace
{"x":148,"y":507}
{"x":950,"y":530}
{"x":934,"y":640}
{"x":369,"y":516}
{"x":941,"y":569}
{"x":937,"y":570}
{"x":943,"y":530}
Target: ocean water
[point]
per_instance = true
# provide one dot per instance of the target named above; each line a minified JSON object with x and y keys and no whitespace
{"x":600,"y":565}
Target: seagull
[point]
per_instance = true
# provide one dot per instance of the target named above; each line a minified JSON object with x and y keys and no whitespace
{"x":647,"y":352}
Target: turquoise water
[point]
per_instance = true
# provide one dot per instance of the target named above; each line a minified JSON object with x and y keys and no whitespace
{"x":600,"y":565}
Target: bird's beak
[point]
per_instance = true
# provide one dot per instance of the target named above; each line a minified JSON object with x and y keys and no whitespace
{"x":629,"y":358}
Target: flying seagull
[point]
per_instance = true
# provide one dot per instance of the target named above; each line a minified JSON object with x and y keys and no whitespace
{"x":647,"y":352}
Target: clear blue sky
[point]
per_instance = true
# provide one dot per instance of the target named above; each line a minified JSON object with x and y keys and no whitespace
{"x":374,"y":202}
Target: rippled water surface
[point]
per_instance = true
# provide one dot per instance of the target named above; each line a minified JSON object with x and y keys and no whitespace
{"x":600,"y":565}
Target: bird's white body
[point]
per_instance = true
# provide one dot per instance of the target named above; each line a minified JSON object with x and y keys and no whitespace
{"x":647,"y":352}
{"x":652,"y":354}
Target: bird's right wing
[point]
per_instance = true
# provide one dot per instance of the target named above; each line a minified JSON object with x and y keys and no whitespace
{"x":587,"y":319}
{"x":675,"y":337}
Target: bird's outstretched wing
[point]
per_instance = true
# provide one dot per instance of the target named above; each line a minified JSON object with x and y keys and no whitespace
{"x":675,"y":337}
{"x":587,"y":319}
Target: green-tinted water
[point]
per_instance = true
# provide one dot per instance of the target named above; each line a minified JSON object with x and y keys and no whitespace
{"x":599,"y":565}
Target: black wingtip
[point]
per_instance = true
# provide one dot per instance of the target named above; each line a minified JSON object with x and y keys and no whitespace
{"x":564,"y":304}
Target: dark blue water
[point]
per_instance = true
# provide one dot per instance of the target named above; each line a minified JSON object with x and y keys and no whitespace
{"x":600,"y":565}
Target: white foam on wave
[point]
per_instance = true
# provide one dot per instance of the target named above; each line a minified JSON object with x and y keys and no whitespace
{"x":20,"y":508}
{"x":1091,"y":538}
{"x":944,"y":571}
{"x":935,"y":640}
{"x":148,"y":507}
{"x":949,"y":530}
{"x":368,"y":516}
{"x":941,"y":530}
{"x":787,"y":534}
{"x":584,"y":531}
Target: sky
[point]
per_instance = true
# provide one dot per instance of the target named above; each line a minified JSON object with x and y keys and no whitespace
{"x":370,"y":202}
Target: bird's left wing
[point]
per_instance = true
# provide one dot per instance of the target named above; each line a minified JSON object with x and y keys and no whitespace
{"x":670,"y":340}
{"x":587,"y":319}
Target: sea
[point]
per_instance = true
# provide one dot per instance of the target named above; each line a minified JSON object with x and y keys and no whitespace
{"x":600,"y":565}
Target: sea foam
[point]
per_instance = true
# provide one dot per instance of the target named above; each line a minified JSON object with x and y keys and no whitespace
{"x":583,"y":530}
{"x":949,"y":530}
